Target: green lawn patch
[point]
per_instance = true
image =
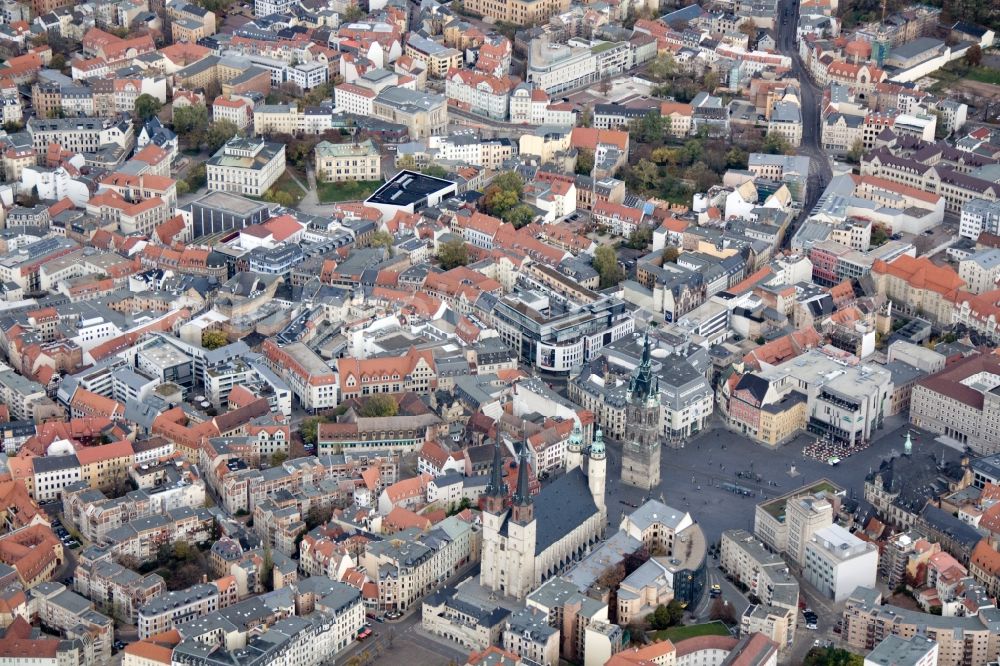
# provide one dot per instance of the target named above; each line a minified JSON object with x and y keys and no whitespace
{"x":984,"y":75}
{"x":681,"y":633}
{"x":349,"y":191}
{"x":776,"y":507}
{"x":604,"y":46}
{"x":289,"y":186}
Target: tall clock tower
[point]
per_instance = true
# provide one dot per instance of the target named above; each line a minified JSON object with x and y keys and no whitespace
{"x":641,"y":449}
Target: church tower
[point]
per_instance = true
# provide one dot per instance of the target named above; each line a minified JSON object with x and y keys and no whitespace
{"x":597,"y":473}
{"x":574,"y":449}
{"x":521,"y":535}
{"x":641,"y":449}
{"x":494,"y":514}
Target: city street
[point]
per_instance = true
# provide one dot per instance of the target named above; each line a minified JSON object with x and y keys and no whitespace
{"x":403,"y":641}
{"x":811,"y":98}
{"x":730,"y":594}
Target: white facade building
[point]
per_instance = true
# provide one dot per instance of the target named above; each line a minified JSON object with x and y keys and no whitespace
{"x":246,"y":166}
{"x":978,"y":216}
{"x":837,"y":562}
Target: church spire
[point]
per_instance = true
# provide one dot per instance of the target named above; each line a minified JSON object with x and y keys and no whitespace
{"x":522,"y":495}
{"x":641,"y":386}
{"x":495,"y":486}
{"x":523,"y":511}
{"x":496,"y":491}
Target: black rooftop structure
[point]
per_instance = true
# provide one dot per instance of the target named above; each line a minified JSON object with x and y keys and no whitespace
{"x":495,"y":486}
{"x":560,"y":508}
{"x":407,"y":188}
{"x":642,"y":386}
{"x":523,"y":495}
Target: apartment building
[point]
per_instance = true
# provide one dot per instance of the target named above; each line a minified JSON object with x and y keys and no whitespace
{"x":896,"y":651}
{"x":289,"y":119}
{"x":414,"y":563}
{"x":105,"y":465}
{"x":342,"y":162}
{"x":114,"y":588}
{"x":246,"y":166}
{"x":979,"y":216}
{"x":527,"y":633}
{"x":81,"y":135}
{"x":75,"y":618}
{"x":172,"y":609}
{"x":980,"y":270}
{"x":26,"y":399}
{"x":786,"y":122}
{"x":438,"y":58}
{"x":521,"y":12}
{"x":142,"y":537}
{"x":423,"y":114}
{"x":94,"y":515}
{"x":52,"y":474}
{"x":836,"y":562}
{"x":793,"y":170}
{"x":480,"y":93}
{"x":748,"y":562}
{"x":786,"y":524}
{"x":234,"y":108}
{"x":308,"y":376}
{"x":972,"y":640}
{"x":33,"y":552}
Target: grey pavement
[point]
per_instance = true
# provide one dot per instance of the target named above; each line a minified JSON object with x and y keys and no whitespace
{"x":730,"y":594}
{"x":691,"y":476}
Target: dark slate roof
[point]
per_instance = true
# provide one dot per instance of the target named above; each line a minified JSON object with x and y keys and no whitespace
{"x":560,"y":508}
{"x":917,"y":478}
{"x":990,"y":466}
{"x":947,"y":524}
{"x":756,"y":385}
{"x":969,"y":29}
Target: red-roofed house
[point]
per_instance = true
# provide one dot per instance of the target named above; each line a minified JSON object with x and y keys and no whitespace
{"x":406,"y":493}
{"x":106,"y":465}
{"x":483,"y":94}
{"x":86,"y":403}
{"x":918,"y":285}
{"x":414,"y":371}
{"x":436,"y":460}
